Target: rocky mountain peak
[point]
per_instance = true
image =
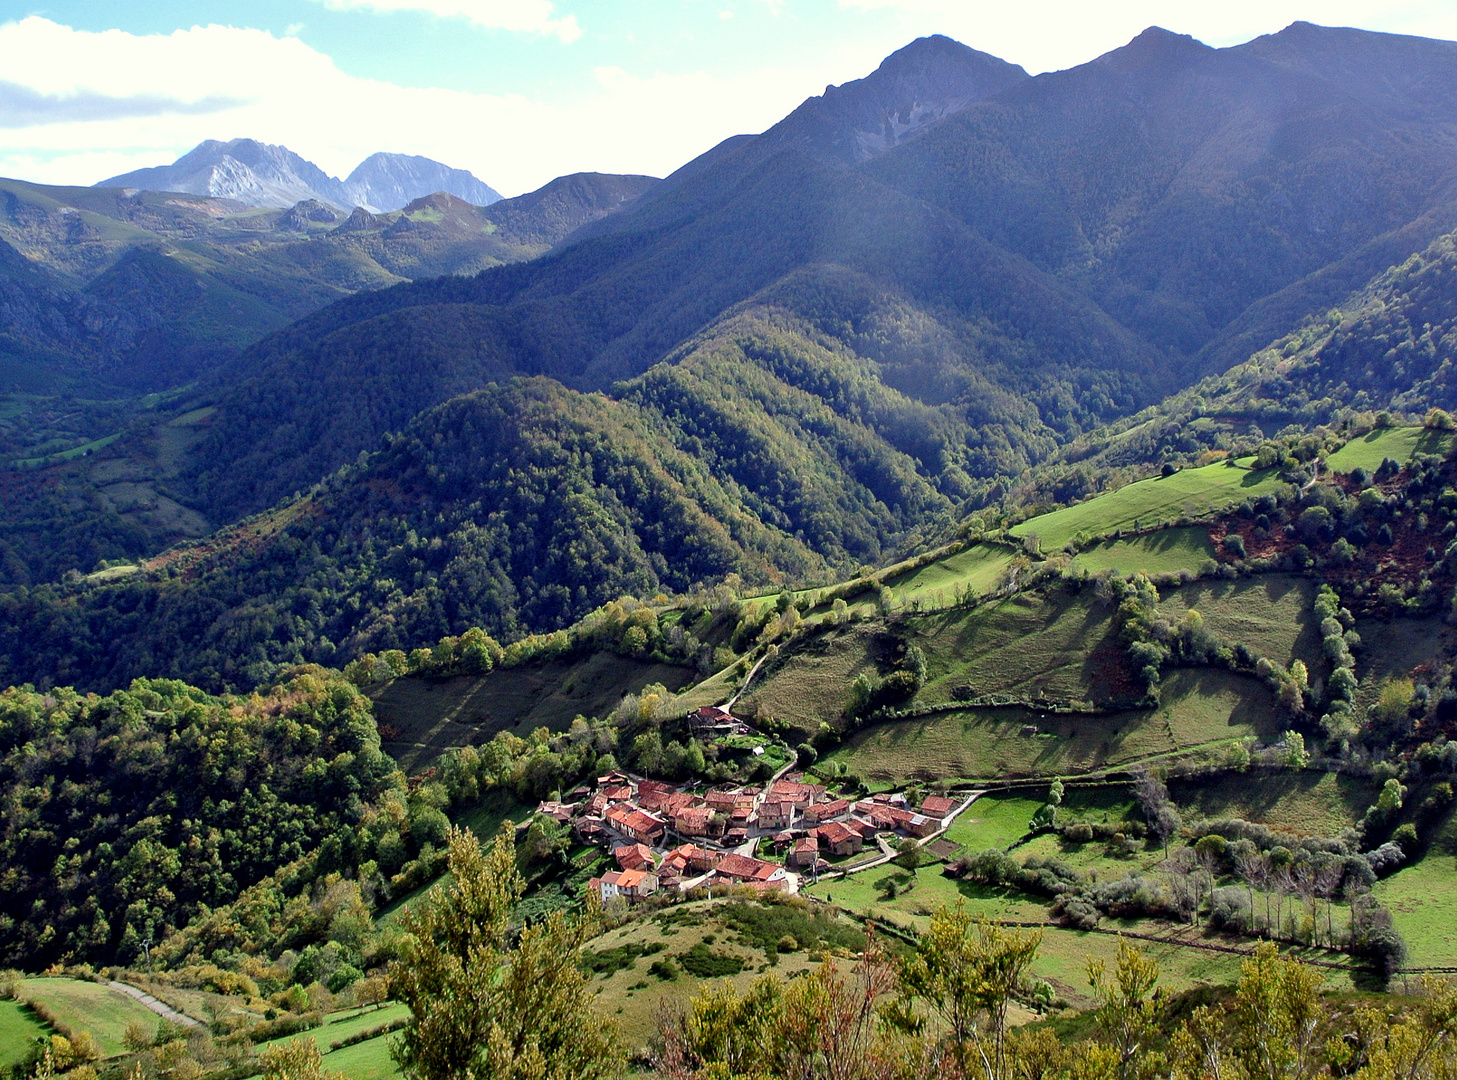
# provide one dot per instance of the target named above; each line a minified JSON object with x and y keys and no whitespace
{"x":261,"y":174}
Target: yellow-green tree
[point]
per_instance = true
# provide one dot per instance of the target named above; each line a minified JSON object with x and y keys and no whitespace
{"x":487,"y":1002}
{"x":966,"y":971}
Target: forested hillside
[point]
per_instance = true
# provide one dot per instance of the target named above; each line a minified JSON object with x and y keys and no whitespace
{"x":1091,"y":240}
{"x":129,"y":814}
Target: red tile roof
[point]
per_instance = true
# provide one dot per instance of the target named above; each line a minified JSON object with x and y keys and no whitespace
{"x":741,"y":866}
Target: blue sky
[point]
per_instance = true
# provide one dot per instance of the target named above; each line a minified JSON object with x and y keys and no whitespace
{"x":518,"y":91}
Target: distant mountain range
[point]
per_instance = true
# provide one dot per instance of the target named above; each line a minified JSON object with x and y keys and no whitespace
{"x":140,"y":289}
{"x":260,"y":174}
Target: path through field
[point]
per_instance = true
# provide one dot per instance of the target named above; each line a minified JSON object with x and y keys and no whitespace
{"x":165,"y":1011}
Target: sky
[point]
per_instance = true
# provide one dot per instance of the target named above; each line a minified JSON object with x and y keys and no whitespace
{"x":520,"y":91}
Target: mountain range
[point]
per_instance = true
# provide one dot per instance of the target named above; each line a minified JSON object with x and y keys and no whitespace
{"x":260,"y":174}
{"x":806,"y":350}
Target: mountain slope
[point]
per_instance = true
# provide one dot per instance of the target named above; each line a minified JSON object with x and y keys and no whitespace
{"x":1179,"y":185}
{"x":241,"y":272}
{"x":608,"y":308}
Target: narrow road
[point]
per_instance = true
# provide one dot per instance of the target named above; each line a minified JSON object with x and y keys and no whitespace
{"x":162,"y":1009}
{"x":747,"y":679}
{"x":887,"y":853}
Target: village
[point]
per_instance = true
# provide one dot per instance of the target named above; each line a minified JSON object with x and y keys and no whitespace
{"x":667,"y":836}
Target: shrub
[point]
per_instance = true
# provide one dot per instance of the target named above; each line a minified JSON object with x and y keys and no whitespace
{"x":1229,"y":908}
{"x":1405,"y":836}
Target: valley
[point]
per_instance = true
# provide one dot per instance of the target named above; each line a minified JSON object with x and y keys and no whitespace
{"x":696,"y":631}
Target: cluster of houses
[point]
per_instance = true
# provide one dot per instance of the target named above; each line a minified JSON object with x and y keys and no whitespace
{"x":662,"y":836}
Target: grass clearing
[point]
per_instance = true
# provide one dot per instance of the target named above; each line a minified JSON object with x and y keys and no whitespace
{"x":1164,"y":552}
{"x":1308,"y":803}
{"x":1398,"y":443}
{"x":1032,"y":645}
{"x":981,"y":567}
{"x":631,"y":995}
{"x":1201,"y":707}
{"x":19,"y":1028}
{"x":93,"y":1007}
{"x":813,"y":684}
{"x":422,"y":717}
{"x":1271,"y":614}
{"x":1145,"y":504}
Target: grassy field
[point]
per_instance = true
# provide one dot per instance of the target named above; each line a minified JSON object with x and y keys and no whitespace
{"x":1200,"y":707}
{"x":1423,"y":902}
{"x":369,"y":1060}
{"x":982,"y":568}
{"x":19,"y":1029}
{"x":351,"y":1022}
{"x":423,"y":717}
{"x":631,"y":996}
{"x":1399,"y":444}
{"x":1031,"y":645}
{"x":1063,"y":957}
{"x":1271,"y":614}
{"x":1164,"y":552}
{"x":1147,"y":504}
{"x":814,"y":683}
{"x":1394,"y":649}
{"x":993,"y":821}
{"x":89,"y":1006}
{"x":1309,"y":803}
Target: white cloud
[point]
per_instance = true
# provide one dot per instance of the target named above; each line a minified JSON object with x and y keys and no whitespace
{"x":526,"y":16}
{"x":1047,"y":35}
{"x":280,"y":90}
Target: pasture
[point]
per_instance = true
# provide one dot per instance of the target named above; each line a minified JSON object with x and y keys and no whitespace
{"x":813,"y":684}
{"x":981,"y":568}
{"x":1030,"y":645}
{"x":1398,"y":443}
{"x":1148,"y":504}
{"x":1271,"y":614}
{"x":19,"y":1028}
{"x":1201,"y":708}
{"x":1308,"y":803}
{"x":93,"y":1007}
{"x":1423,"y":903}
